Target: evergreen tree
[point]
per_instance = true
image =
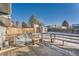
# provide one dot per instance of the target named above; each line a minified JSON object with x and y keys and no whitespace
{"x":17,"y":23}
{"x":32,"y":21}
{"x":24,"y":25}
{"x":65,"y":23}
{"x":13,"y":24}
{"x":40,"y":23}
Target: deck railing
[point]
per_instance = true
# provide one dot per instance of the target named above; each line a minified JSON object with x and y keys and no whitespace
{"x":8,"y":52}
{"x":64,"y":37}
{"x":39,"y":38}
{"x":12,"y":48}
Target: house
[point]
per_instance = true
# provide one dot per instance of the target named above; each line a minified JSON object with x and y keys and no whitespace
{"x":41,"y":29}
{"x":28,"y":30}
{"x":44,"y":29}
{"x":5,"y":21}
{"x":5,"y":8}
{"x":36,"y":28}
{"x":75,"y":28}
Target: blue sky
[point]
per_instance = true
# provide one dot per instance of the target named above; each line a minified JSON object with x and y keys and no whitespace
{"x":49,"y":13}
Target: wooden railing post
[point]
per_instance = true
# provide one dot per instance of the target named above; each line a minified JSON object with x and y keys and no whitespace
{"x":26,"y":38}
{"x":40,"y":40}
{"x":14,"y":40}
{"x":51,"y":38}
{"x":54,"y":37}
{"x":63,"y":43}
{"x":32,"y":39}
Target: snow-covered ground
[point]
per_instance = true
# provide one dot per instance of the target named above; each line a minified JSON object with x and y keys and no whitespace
{"x":22,"y":39}
{"x":73,"y":47}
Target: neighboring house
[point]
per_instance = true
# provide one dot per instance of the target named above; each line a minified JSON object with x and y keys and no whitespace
{"x":28,"y":30}
{"x":64,"y":27}
{"x":36,"y":28}
{"x":44,"y":29}
{"x":41,"y":29}
{"x":75,"y":26}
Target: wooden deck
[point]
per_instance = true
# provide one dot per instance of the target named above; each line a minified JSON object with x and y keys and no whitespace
{"x":36,"y":50}
{"x":45,"y":44}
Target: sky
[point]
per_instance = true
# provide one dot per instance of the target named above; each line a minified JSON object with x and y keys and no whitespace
{"x":49,"y":13}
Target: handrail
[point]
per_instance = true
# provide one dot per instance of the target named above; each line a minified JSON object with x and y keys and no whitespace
{"x":64,"y":34}
{"x":68,"y":34}
{"x":73,"y":38}
{"x":64,"y":37}
{"x":9,"y":51}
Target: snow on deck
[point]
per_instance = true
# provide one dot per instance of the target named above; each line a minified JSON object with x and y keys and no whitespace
{"x":74,"y":48}
{"x":35,"y":50}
